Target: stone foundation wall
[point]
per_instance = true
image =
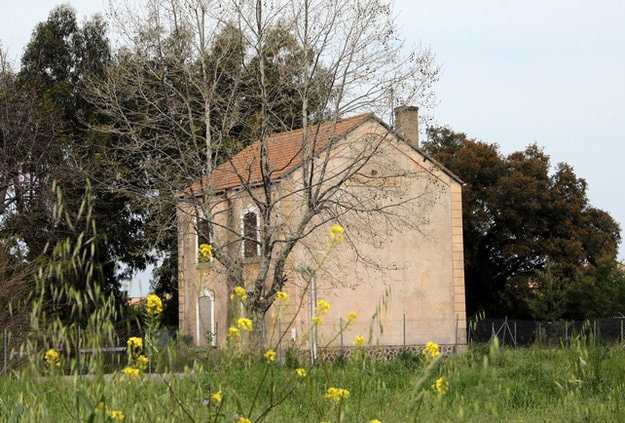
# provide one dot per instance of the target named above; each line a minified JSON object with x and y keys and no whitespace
{"x":381,"y":353}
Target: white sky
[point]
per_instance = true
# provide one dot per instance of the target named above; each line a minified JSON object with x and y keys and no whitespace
{"x":534,"y":71}
{"x":514,"y":73}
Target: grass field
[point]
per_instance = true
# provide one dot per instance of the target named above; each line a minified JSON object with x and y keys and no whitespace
{"x":481,"y":384}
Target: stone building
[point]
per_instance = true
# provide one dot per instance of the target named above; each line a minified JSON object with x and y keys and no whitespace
{"x":399,"y":268}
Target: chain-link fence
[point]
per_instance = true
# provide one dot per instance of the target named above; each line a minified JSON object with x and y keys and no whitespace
{"x":111,"y":353}
{"x":523,"y":333}
{"x":510,"y":333}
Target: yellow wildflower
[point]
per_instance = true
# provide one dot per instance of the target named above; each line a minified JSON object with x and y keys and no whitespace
{"x":336,"y":234}
{"x":243,"y":420}
{"x":351,"y":317}
{"x":233,"y":332}
{"x":375,"y":421}
{"x":270,"y":355}
{"x":336,"y":394}
{"x":142,"y":362}
{"x":131,"y":371}
{"x":52,"y":357}
{"x":100,"y":406}
{"x":431,"y":350}
{"x":282,"y":296}
{"x":301,"y":372}
{"x":317,"y":320}
{"x":245,"y":324}
{"x":239,"y":293}
{"x":441,"y":386}
{"x":116,"y":415}
{"x":217,"y":396}
{"x":359,"y":341}
{"x":135,"y":343}
{"x":153,"y":304}
{"x":204,"y":253}
{"x":322,"y":307}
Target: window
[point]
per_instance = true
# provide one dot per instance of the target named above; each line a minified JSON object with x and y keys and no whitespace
{"x":250,"y":224}
{"x":203,"y":235}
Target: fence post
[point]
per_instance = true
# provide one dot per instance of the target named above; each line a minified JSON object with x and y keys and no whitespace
{"x":566,"y":333}
{"x":216,"y":341}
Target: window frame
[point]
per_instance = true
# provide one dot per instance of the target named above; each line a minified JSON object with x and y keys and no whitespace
{"x":244,"y":241}
{"x":200,"y":221}
{"x":205,"y":293}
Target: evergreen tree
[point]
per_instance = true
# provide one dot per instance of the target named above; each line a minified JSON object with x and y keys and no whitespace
{"x":533,"y":243}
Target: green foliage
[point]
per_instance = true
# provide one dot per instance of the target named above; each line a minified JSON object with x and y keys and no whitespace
{"x":46,"y":138}
{"x":533,"y":243}
{"x":535,"y":384}
{"x":550,"y":301}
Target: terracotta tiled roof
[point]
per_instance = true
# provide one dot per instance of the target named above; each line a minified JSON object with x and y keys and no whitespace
{"x":284,"y":150}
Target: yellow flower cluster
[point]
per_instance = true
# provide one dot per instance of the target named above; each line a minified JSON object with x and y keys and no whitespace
{"x":130,"y":372}
{"x":359,"y":341}
{"x":245,"y":324}
{"x":112,"y":414}
{"x":204,"y":253}
{"x":430,"y":350}
{"x":323,"y":307}
{"x":301,"y":372}
{"x":239,"y":293}
{"x":115,"y":414}
{"x":142,"y":362}
{"x":441,"y":386}
{"x":154,"y":305}
{"x":336,"y":394}
{"x":217,"y":396}
{"x":137,"y":362}
{"x":270,"y":355}
{"x":135,"y":343}
{"x":375,"y":421}
{"x":336,"y":234}
{"x":243,"y":420}
{"x":282,"y":296}
{"x":233,"y":332}
{"x":52,"y":358}
{"x":351,"y":317}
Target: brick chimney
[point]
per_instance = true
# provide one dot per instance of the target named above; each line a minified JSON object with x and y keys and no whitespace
{"x":407,"y":123}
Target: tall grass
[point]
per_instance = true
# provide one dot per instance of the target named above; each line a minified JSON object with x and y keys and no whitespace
{"x":528,"y":385}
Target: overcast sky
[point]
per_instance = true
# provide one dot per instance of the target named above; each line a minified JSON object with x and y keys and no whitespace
{"x":514,"y":73}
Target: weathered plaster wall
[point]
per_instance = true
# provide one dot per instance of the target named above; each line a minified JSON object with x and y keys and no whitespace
{"x":405,"y":275}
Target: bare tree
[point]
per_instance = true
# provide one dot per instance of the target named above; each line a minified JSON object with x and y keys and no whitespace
{"x":198,"y":79}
